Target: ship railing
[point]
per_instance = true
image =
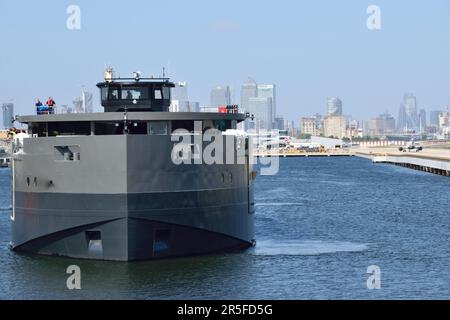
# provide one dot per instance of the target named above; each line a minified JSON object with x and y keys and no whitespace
{"x":44,"y":110}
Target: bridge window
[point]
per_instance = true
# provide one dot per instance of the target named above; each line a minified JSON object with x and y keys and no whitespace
{"x":113,"y":94}
{"x":39,"y":129}
{"x":134,"y":93}
{"x":221,"y":125}
{"x":158,"y":94}
{"x":158,"y":128}
{"x":108,"y":128}
{"x":166,"y":93}
{"x":136,"y":127}
{"x":224,"y":125}
{"x":69,"y":129}
{"x":109,"y":94}
{"x":183,"y":124}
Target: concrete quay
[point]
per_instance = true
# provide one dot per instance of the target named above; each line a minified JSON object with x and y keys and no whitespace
{"x":435,"y":161}
{"x":300,"y":154}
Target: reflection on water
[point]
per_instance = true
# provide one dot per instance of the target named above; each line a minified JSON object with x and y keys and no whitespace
{"x":279,"y":204}
{"x":305,"y":248}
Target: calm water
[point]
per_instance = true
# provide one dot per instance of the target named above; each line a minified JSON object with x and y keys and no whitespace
{"x":320,"y":223}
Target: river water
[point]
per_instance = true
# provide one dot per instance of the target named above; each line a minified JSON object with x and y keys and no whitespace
{"x":320,"y":223}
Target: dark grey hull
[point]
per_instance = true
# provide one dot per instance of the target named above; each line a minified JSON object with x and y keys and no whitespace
{"x":131,"y":227}
{"x":124,"y":201}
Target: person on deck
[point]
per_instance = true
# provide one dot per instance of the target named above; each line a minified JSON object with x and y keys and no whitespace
{"x":40,"y":108}
{"x":51,"y":105}
{"x":51,"y":102}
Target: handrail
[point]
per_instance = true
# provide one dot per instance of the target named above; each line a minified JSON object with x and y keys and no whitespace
{"x":41,"y":110}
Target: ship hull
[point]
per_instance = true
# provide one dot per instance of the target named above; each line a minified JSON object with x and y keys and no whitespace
{"x":130,"y":204}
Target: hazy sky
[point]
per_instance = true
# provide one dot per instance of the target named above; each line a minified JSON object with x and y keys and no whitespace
{"x":309,"y":49}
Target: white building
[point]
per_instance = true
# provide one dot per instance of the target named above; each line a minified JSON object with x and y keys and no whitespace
{"x":335,"y":126}
{"x":309,"y":126}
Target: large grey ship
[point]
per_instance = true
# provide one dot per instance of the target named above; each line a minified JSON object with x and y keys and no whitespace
{"x":104,"y":185}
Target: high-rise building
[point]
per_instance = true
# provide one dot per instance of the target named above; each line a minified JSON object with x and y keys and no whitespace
{"x":434,"y":118}
{"x":220,"y":96}
{"x":387,"y":123}
{"x":279,"y":123}
{"x":261,"y":108}
{"x":401,"y":120}
{"x":269,"y":91}
{"x":334,"y":106}
{"x":88,"y":101}
{"x":319,"y":121}
{"x":422,"y":120}
{"x":354,"y":129}
{"x":381,"y":125}
{"x":249,"y":89}
{"x":335,"y":126}
{"x":77,"y":105}
{"x":180,"y":91}
{"x":444,"y":119}
{"x":408,"y":118}
{"x":8,"y":115}
{"x":410,"y":103}
{"x":411,"y":121}
{"x":309,"y":126}
{"x":186,"y":106}
{"x":180,"y":100}
{"x":178,"y":97}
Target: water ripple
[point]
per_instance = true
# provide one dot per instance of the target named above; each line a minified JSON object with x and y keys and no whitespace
{"x":305,"y":248}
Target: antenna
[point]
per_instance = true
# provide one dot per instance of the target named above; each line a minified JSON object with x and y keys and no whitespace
{"x":164,"y":72}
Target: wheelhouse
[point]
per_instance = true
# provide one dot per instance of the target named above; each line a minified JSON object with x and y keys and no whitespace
{"x":140,"y":95}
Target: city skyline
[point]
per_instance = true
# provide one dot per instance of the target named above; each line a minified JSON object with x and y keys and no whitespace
{"x":315,"y":50}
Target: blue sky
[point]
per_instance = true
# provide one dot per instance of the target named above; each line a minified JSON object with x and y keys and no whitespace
{"x":309,"y":49}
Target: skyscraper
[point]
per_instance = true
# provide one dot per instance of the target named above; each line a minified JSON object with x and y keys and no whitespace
{"x":249,"y":90}
{"x":335,"y":126}
{"x":279,"y":123}
{"x":308,"y":126}
{"x":8,"y":115}
{"x":180,"y":100}
{"x":180,"y":92}
{"x":422,"y":119}
{"x":382,"y":125}
{"x":77,"y":105}
{"x":412,"y":118}
{"x":410,"y":103}
{"x":444,"y":118}
{"x":88,"y":102}
{"x":408,"y":118}
{"x":220,"y":96}
{"x":401,"y":121}
{"x":269,"y":91}
{"x":261,"y":108}
{"x":434,"y":118}
{"x":334,"y":106}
